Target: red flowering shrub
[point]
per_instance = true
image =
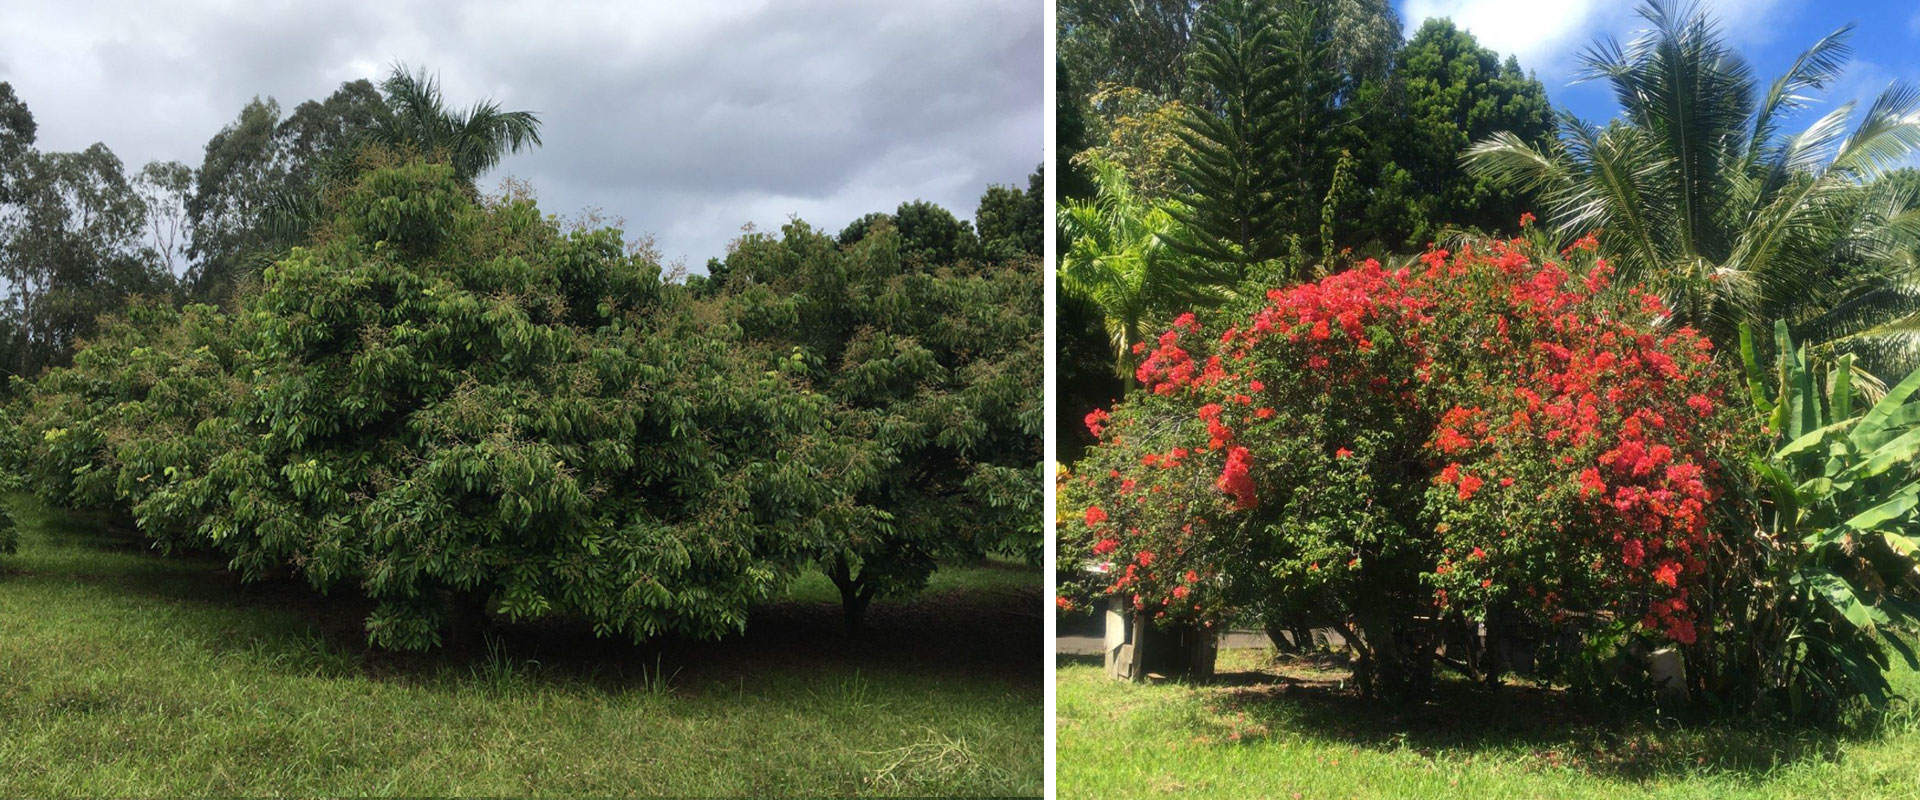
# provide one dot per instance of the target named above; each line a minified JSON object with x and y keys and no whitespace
{"x":1487,"y":433}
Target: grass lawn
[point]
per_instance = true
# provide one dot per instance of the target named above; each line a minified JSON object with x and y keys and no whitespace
{"x":1292,"y":731}
{"x":125,"y":673}
{"x":995,"y":575}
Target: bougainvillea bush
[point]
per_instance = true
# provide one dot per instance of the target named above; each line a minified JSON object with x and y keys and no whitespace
{"x":1498,"y":435}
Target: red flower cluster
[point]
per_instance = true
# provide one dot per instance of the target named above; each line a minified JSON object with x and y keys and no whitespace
{"x":1237,"y":479}
{"x":1558,"y":430}
{"x":1096,"y":421}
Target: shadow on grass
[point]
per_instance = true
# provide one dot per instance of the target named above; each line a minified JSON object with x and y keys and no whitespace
{"x":1544,"y":727}
{"x":283,"y":622}
{"x":1312,"y":701}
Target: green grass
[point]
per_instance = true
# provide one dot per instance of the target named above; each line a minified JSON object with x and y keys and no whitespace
{"x":124,"y":673}
{"x":992,"y":575}
{"x":1266,"y":731}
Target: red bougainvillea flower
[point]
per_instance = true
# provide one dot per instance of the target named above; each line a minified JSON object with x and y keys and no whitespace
{"x":1237,"y":479}
{"x":1096,"y":421}
{"x":1495,"y":401}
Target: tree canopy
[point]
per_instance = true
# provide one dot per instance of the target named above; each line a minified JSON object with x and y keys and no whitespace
{"x":455,"y":407}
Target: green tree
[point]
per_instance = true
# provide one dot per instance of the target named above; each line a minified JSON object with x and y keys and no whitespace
{"x":1070,"y":130}
{"x":1825,"y":587}
{"x":165,"y":188}
{"x":1145,"y":44}
{"x":1274,"y":82}
{"x":1011,"y":222}
{"x":240,"y":174}
{"x":1124,"y":261}
{"x":1702,"y":198}
{"x":1139,"y":43}
{"x":929,"y":359}
{"x":258,"y":187}
{"x":928,"y":233}
{"x":70,"y":248}
{"x":1139,"y":133}
{"x":456,"y":407}
{"x":17,"y":130}
{"x":1452,"y":92}
{"x":1233,"y":163}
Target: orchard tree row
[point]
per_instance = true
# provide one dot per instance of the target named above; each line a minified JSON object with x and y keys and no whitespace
{"x":457,"y":405}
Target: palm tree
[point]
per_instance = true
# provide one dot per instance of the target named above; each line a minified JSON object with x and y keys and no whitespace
{"x":1704,"y":200}
{"x":1119,"y":258}
{"x":472,"y":141}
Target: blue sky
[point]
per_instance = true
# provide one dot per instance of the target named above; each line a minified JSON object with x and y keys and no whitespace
{"x":1549,"y":35}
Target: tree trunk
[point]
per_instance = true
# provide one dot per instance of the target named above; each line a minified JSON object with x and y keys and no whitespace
{"x":467,"y":620}
{"x":1282,"y":636}
{"x":1493,"y":653}
{"x":1397,"y":666}
{"x":1464,"y":633}
{"x":855,"y":593}
{"x":1290,"y":634}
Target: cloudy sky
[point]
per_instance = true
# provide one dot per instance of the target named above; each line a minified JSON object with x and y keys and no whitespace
{"x":686,"y":119}
{"x":1549,"y":35}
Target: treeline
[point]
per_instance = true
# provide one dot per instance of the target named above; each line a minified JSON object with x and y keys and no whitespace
{"x":1224,"y":147}
{"x":1220,"y":141}
{"x":1347,"y":136}
{"x":459,"y":406}
{"x":80,"y":232}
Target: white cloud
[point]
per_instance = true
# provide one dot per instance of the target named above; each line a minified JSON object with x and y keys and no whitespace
{"x":1549,"y":35}
{"x":1544,"y":35}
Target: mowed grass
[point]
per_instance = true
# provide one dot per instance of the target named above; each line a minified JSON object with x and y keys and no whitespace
{"x":993,"y":575}
{"x":123,"y":673}
{"x":1272,"y":731}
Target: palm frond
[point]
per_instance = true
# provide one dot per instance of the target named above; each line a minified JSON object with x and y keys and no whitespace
{"x":1815,"y":69}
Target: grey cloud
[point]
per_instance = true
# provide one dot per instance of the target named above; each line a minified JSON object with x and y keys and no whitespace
{"x":686,"y":119}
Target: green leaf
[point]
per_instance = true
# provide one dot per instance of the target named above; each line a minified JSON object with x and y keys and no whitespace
{"x":1841,"y":399}
{"x":1887,"y":455}
{"x":1882,"y":412}
{"x":1803,"y":407}
{"x":1756,"y":379}
{"x":1902,"y":501}
{"x":1900,"y":544}
{"x":1786,"y":496}
{"x":1812,"y":439}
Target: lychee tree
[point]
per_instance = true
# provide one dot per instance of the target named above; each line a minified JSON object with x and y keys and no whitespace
{"x":932,"y":367}
{"x":453,"y":406}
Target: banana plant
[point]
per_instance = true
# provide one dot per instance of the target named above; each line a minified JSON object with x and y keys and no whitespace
{"x":1842,"y":512}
